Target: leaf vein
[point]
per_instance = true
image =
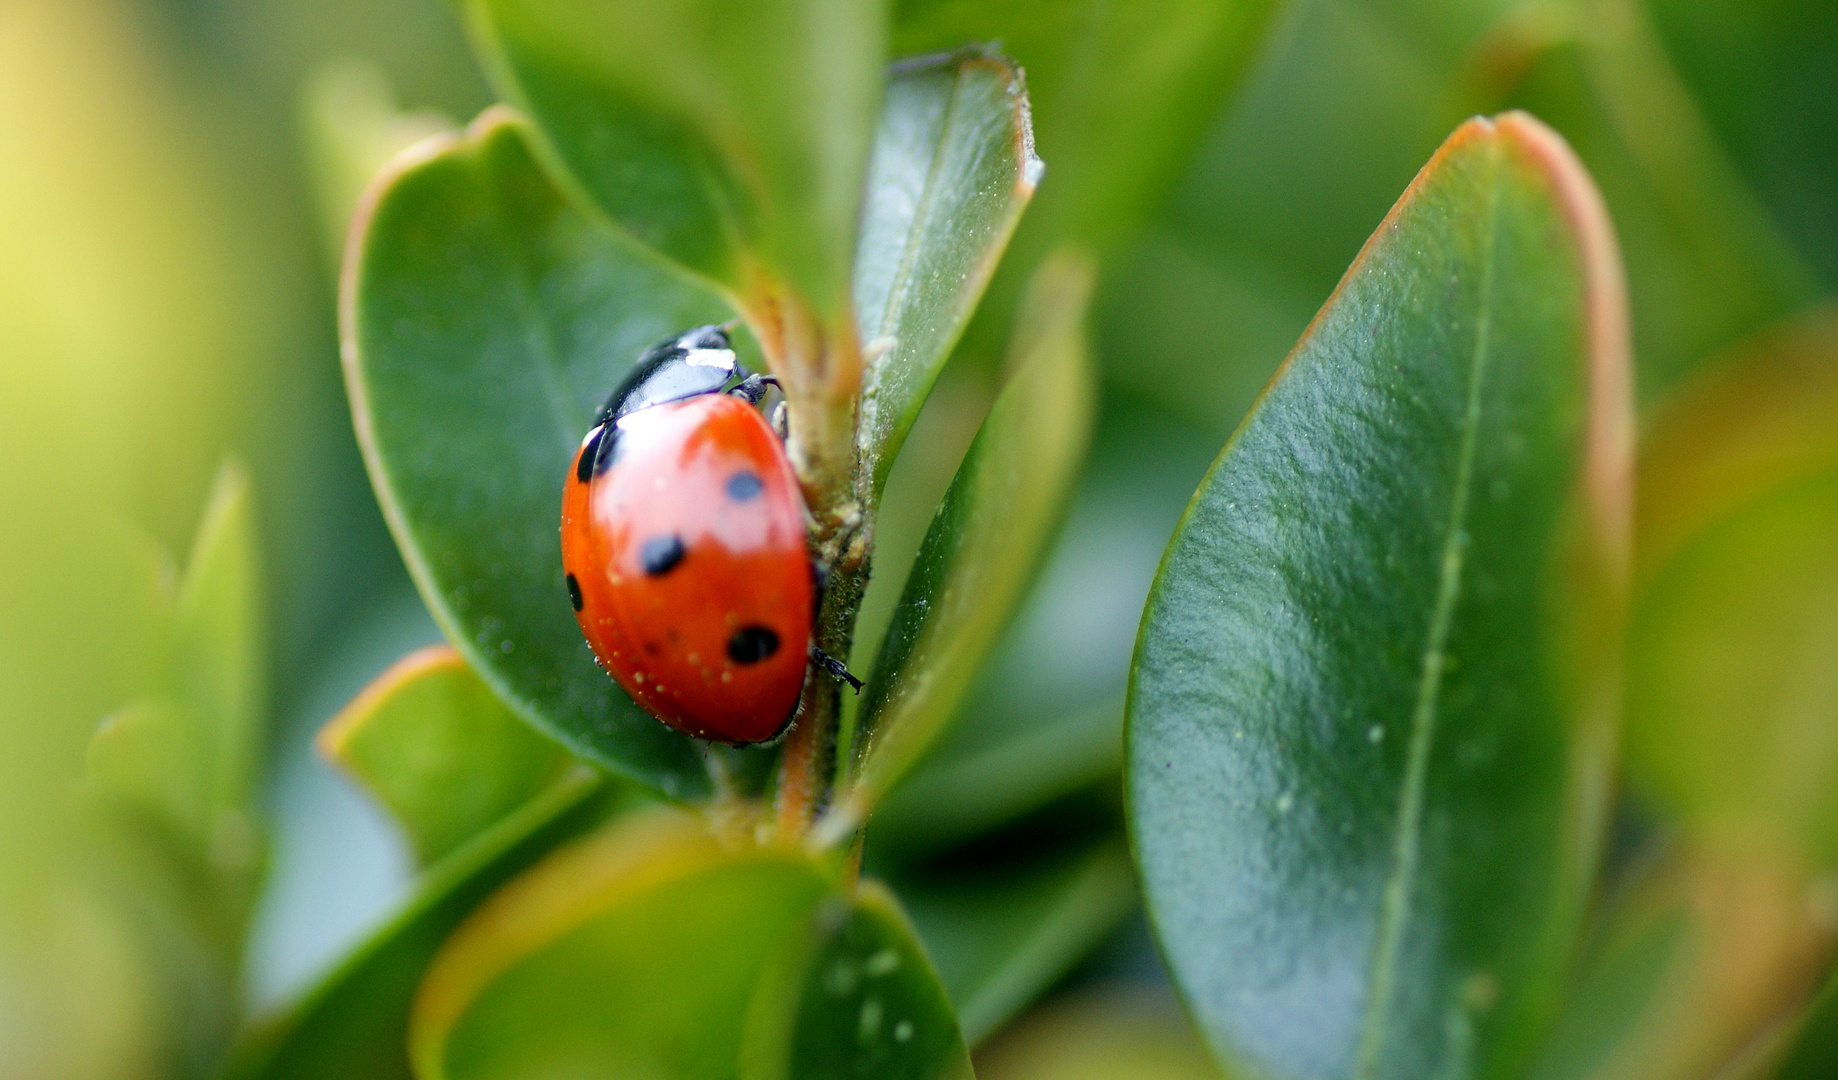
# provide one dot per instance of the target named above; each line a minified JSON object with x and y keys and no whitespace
{"x":1406,"y":854}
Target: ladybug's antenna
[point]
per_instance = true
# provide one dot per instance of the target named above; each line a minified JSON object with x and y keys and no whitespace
{"x":835,"y":667}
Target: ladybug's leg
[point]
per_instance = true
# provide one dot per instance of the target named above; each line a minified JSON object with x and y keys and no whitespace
{"x":753,"y":388}
{"x":835,"y":667}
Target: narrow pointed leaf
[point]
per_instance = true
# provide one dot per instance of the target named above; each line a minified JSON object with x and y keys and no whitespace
{"x":354,"y":1022}
{"x":1813,"y":1052}
{"x":952,"y":169}
{"x":1003,"y":932}
{"x":188,"y":755}
{"x":1697,"y":967}
{"x":730,"y":138}
{"x":484,"y":321}
{"x":986,"y":540}
{"x":440,"y":752}
{"x":218,"y":652}
{"x":1374,"y":689}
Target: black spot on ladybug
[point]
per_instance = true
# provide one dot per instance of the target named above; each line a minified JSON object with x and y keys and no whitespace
{"x":744,"y":485}
{"x":751,"y":644}
{"x":660,"y":554}
{"x":574,"y":593}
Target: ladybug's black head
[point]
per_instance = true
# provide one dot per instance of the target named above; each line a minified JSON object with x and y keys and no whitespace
{"x":698,"y":361}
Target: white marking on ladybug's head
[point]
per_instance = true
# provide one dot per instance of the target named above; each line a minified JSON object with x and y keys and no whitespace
{"x":715,"y":358}
{"x":589,"y":437}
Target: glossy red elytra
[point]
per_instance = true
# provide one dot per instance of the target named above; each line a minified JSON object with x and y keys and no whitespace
{"x":683,"y":541}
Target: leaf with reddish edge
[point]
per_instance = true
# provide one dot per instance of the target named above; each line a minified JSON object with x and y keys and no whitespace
{"x":1374,"y":699}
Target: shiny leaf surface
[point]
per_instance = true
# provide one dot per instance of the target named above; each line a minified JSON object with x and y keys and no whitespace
{"x":1374,"y":690}
{"x":952,"y":169}
{"x":484,"y":320}
{"x":439,"y":751}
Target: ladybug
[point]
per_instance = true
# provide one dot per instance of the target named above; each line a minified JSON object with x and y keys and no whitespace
{"x":683,"y":546}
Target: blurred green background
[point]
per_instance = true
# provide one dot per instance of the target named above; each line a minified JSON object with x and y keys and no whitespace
{"x":173,"y":180}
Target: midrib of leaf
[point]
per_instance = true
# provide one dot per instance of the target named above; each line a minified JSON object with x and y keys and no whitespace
{"x":1394,"y":912}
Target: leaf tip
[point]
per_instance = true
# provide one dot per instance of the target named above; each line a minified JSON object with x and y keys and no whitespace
{"x":337,"y":733}
{"x":1609,"y":435}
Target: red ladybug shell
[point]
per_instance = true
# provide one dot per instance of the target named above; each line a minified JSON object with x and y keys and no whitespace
{"x":687,"y":567}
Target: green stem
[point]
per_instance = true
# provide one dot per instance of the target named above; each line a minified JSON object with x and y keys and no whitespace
{"x":820,"y":367}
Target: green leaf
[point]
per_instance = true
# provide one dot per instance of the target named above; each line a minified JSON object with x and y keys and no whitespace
{"x":1761,"y":74}
{"x":1813,"y":1052}
{"x":1044,"y":718}
{"x":1002,"y":930}
{"x":985,"y":541}
{"x":1707,"y":266}
{"x":867,"y":1002}
{"x":1732,"y":692}
{"x":188,"y":755}
{"x":660,"y":948}
{"x":484,"y":321}
{"x":354,"y":1022}
{"x":1697,"y":970}
{"x":953,"y":167}
{"x":439,"y":751}
{"x":730,"y":138}
{"x":950,"y":798}
{"x":1373,"y":695}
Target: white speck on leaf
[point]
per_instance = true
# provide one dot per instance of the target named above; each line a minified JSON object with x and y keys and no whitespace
{"x":870,"y":1026}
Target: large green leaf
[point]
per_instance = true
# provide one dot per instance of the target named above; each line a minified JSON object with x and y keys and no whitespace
{"x":438,"y":749}
{"x":1373,"y":694}
{"x":354,"y":1022}
{"x":953,"y":168}
{"x":1732,"y":688}
{"x":730,"y":138}
{"x":484,"y":321}
{"x":660,"y":948}
{"x":984,"y":544}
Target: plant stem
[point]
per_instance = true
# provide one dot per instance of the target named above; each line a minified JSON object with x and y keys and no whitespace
{"x":819,"y":365}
